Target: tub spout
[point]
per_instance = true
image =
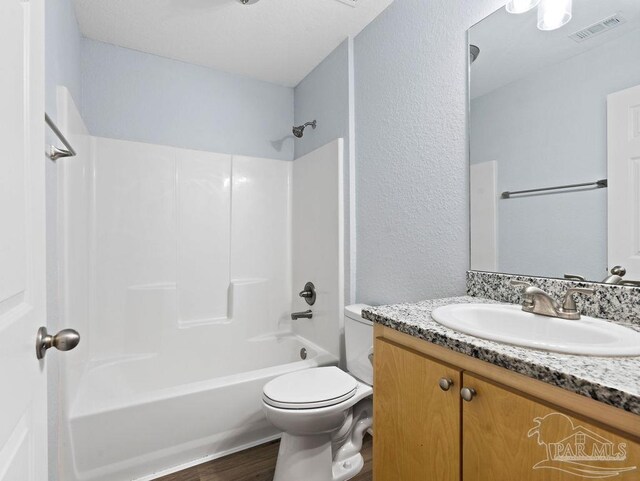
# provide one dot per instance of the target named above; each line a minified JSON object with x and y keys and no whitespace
{"x":301,"y":315}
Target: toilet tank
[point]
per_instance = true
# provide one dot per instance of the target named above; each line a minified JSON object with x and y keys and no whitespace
{"x":358,"y":334}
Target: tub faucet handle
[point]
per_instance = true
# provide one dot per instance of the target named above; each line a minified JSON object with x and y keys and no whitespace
{"x":309,"y":293}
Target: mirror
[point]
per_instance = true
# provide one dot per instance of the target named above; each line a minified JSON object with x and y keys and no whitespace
{"x":555,"y":141}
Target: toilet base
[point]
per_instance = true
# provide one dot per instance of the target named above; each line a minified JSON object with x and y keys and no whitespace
{"x":333,"y":456}
{"x":309,"y":458}
{"x":304,"y":457}
{"x":348,"y":468}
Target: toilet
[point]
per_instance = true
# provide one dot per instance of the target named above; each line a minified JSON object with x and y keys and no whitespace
{"x":324,"y":412}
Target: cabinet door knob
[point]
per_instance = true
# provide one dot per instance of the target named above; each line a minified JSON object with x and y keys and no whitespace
{"x":445,"y":383}
{"x":467,"y":393}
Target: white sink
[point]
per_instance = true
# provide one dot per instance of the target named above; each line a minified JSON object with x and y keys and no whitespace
{"x":511,"y":325}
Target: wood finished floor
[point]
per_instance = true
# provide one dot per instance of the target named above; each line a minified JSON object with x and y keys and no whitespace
{"x":256,"y":464}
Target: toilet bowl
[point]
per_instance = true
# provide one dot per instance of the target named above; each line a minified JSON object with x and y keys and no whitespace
{"x":325,"y":412}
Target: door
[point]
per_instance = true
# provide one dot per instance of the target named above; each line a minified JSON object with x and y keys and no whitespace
{"x":23,"y":429}
{"x":483,"y":182}
{"x":508,"y":436}
{"x":623,"y":134}
{"x":416,"y":422}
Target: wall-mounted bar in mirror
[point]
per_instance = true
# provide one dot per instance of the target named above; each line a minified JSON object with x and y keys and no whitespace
{"x":599,"y":184}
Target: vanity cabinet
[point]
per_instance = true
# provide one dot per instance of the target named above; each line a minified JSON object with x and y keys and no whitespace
{"x":417,"y":423}
{"x":507,"y":436}
{"x":510,"y":428}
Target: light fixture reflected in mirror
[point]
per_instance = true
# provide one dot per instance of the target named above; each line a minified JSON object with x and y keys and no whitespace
{"x":521,"y":6}
{"x":553,"y":14}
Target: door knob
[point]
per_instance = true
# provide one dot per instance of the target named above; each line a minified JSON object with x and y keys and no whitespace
{"x":65,"y":340}
{"x":445,"y":383}
{"x":468,"y":393}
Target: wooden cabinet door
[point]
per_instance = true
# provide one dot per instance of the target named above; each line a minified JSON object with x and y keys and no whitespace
{"x":507,"y":437}
{"x":416,"y":433}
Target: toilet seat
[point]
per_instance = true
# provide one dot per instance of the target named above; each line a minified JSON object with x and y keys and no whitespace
{"x":309,"y":389}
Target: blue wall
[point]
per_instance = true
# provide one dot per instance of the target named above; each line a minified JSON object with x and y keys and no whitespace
{"x":324,"y":96}
{"x":62,"y":52}
{"x":411,"y":140}
{"x":142,"y":97}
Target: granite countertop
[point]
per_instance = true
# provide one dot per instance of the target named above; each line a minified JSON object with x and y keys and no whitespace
{"x":611,"y":380}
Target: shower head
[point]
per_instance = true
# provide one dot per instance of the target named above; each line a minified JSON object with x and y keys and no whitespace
{"x":248,"y":2}
{"x":474,"y":52}
{"x":299,"y":131}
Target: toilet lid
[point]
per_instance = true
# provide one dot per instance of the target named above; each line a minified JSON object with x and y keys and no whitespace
{"x":310,"y":388}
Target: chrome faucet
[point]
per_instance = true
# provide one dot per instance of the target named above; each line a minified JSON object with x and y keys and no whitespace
{"x":302,"y":315}
{"x":537,"y":301}
{"x":615,"y":278}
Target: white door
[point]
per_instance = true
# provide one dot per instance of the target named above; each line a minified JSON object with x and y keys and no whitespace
{"x":23,"y":430}
{"x":624,"y":180}
{"x":483,"y":182}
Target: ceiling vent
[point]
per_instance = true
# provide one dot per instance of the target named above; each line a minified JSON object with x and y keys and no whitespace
{"x":598,"y":28}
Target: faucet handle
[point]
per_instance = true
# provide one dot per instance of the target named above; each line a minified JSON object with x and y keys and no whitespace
{"x":618,"y":271}
{"x":574,"y":277}
{"x":309,"y":293}
{"x":527,"y":301}
{"x":569,"y":303}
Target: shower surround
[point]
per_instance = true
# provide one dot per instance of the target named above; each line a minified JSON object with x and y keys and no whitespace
{"x":176,"y":267}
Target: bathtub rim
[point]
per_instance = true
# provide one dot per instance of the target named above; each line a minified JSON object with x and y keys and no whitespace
{"x":322,"y":358}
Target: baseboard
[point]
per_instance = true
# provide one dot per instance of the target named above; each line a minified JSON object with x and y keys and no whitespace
{"x":206,"y":459}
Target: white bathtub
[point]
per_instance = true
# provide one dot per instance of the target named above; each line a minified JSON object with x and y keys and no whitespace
{"x":143,"y":416}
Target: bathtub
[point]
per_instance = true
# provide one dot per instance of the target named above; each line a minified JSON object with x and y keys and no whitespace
{"x":147,"y":415}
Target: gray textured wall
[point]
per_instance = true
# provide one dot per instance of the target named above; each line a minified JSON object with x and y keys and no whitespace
{"x":411,"y":141}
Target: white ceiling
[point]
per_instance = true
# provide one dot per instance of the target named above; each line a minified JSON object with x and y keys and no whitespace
{"x":512,"y":47}
{"x":279,"y":41}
